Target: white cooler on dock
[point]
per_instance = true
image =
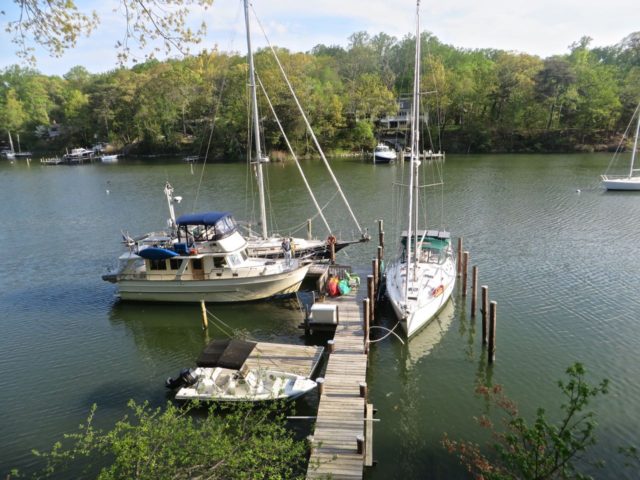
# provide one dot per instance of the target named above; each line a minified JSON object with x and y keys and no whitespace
{"x":324,"y":313}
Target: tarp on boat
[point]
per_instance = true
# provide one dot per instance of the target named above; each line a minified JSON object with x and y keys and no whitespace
{"x":226,"y":354}
{"x":205,"y":218}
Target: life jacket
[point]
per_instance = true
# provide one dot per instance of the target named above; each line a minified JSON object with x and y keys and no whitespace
{"x":332,"y":287}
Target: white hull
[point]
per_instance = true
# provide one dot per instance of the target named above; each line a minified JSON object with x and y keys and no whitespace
{"x":224,"y":385}
{"x":272,"y":247}
{"x":425,"y":303}
{"x":624,"y":183}
{"x":233,"y":289}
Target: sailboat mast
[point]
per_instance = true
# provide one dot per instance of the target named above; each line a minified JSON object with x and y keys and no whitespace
{"x":257,"y":160}
{"x":416,"y":128}
{"x":635,"y":147}
{"x":414,"y":154}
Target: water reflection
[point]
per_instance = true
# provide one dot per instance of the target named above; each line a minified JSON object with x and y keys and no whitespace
{"x":423,"y":342}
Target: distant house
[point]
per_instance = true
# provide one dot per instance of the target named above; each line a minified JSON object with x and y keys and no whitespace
{"x":399,"y":121}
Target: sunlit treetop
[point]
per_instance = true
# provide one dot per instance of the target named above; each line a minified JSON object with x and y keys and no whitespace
{"x":56,"y":25}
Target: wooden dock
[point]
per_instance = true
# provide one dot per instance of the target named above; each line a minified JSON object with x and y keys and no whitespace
{"x":298,"y":359}
{"x":341,"y":445}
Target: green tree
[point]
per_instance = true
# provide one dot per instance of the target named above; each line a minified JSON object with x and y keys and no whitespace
{"x":55,"y":25}
{"x":240,"y":442}
{"x":542,"y":449}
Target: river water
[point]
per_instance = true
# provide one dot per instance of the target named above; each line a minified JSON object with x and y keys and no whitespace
{"x":559,"y":255}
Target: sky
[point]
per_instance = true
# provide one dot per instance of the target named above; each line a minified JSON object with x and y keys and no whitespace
{"x":539,"y":27}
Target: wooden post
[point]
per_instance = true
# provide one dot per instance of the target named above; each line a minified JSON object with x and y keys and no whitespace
{"x":332,"y":253}
{"x":331,"y":346}
{"x":309,"y":229}
{"x":465,"y":260}
{"x":381,"y":233}
{"x":492,"y":332}
{"x":485,"y":312}
{"x":360,"y":444}
{"x":311,"y":447}
{"x":375,"y":269}
{"x":459,"y":254}
{"x":320,"y":382}
{"x":380,"y":263}
{"x":367,"y":312}
{"x":474,"y":290}
{"x":307,"y":329}
{"x":205,"y":321}
{"x":363,"y":389}
{"x":370,"y":293}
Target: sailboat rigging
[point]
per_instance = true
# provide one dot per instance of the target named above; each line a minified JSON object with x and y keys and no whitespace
{"x":422,"y":277}
{"x":632,"y":180}
{"x":269,"y":245}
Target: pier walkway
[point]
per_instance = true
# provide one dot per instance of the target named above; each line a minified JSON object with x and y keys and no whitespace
{"x":341,"y":444}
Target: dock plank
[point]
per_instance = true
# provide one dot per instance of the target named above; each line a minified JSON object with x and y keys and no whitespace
{"x":341,"y":411}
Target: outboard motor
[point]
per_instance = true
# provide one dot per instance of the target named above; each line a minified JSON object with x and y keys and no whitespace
{"x":184,"y":379}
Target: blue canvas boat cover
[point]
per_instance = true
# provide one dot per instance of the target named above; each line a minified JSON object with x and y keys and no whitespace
{"x":205,"y":218}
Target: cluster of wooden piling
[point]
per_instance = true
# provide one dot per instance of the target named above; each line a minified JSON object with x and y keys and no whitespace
{"x":488,"y":308}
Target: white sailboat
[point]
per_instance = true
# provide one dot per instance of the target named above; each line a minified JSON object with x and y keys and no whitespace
{"x":264,"y":243}
{"x":422,"y":277}
{"x":632,"y":180}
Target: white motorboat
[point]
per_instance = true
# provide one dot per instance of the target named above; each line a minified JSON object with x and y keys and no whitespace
{"x":109,"y":158}
{"x":79,"y":155}
{"x":383,"y":154}
{"x":222,"y":376}
{"x":632,"y":180}
{"x":421,"y":278}
{"x":205,"y":258}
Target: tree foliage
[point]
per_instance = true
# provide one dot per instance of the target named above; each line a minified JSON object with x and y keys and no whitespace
{"x":240,"y":442}
{"x":541,"y":449}
{"x":480,"y":100}
{"x":55,"y":25}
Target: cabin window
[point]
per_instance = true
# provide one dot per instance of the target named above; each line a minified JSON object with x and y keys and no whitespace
{"x":218,"y":262}
{"x":157,"y":264}
{"x":197,"y":264}
{"x":174,"y":264}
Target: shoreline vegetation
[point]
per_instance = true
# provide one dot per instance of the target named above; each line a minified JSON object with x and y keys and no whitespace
{"x":479,"y":101}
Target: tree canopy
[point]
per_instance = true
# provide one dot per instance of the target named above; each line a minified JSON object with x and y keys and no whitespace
{"x":479,"y":100}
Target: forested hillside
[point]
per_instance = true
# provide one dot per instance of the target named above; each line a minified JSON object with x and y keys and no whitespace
{"x":478,"y":100}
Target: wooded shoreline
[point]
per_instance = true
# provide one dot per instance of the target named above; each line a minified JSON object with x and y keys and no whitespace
{"x":479,"y":101}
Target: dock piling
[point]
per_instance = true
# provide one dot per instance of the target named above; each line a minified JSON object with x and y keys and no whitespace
{"x":492,"y":331}
{"x":371,"y":295}
{"x":459,"y":255}
{"x":474,"y":290}
{"x":309,"y":229}
{"x":363,"y":389}
{"x":205,"y":320}
{"x":367,"y":313}
{"x":485,"y":312}
{"x":465,"y":261}
{"x":320,"y":382}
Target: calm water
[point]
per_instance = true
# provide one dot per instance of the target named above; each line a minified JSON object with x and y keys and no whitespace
{"x":563,"y":266}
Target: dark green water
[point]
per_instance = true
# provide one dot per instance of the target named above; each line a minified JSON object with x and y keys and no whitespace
{"x":563,"y":266}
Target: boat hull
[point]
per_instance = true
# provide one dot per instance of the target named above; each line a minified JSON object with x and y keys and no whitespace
{"x":627,"y":183}
{"x":235,"y":289}
{"x":209,"y":386}
{"x":419,"y":312}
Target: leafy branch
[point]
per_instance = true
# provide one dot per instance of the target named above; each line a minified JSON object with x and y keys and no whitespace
{"x":542,"y":450}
